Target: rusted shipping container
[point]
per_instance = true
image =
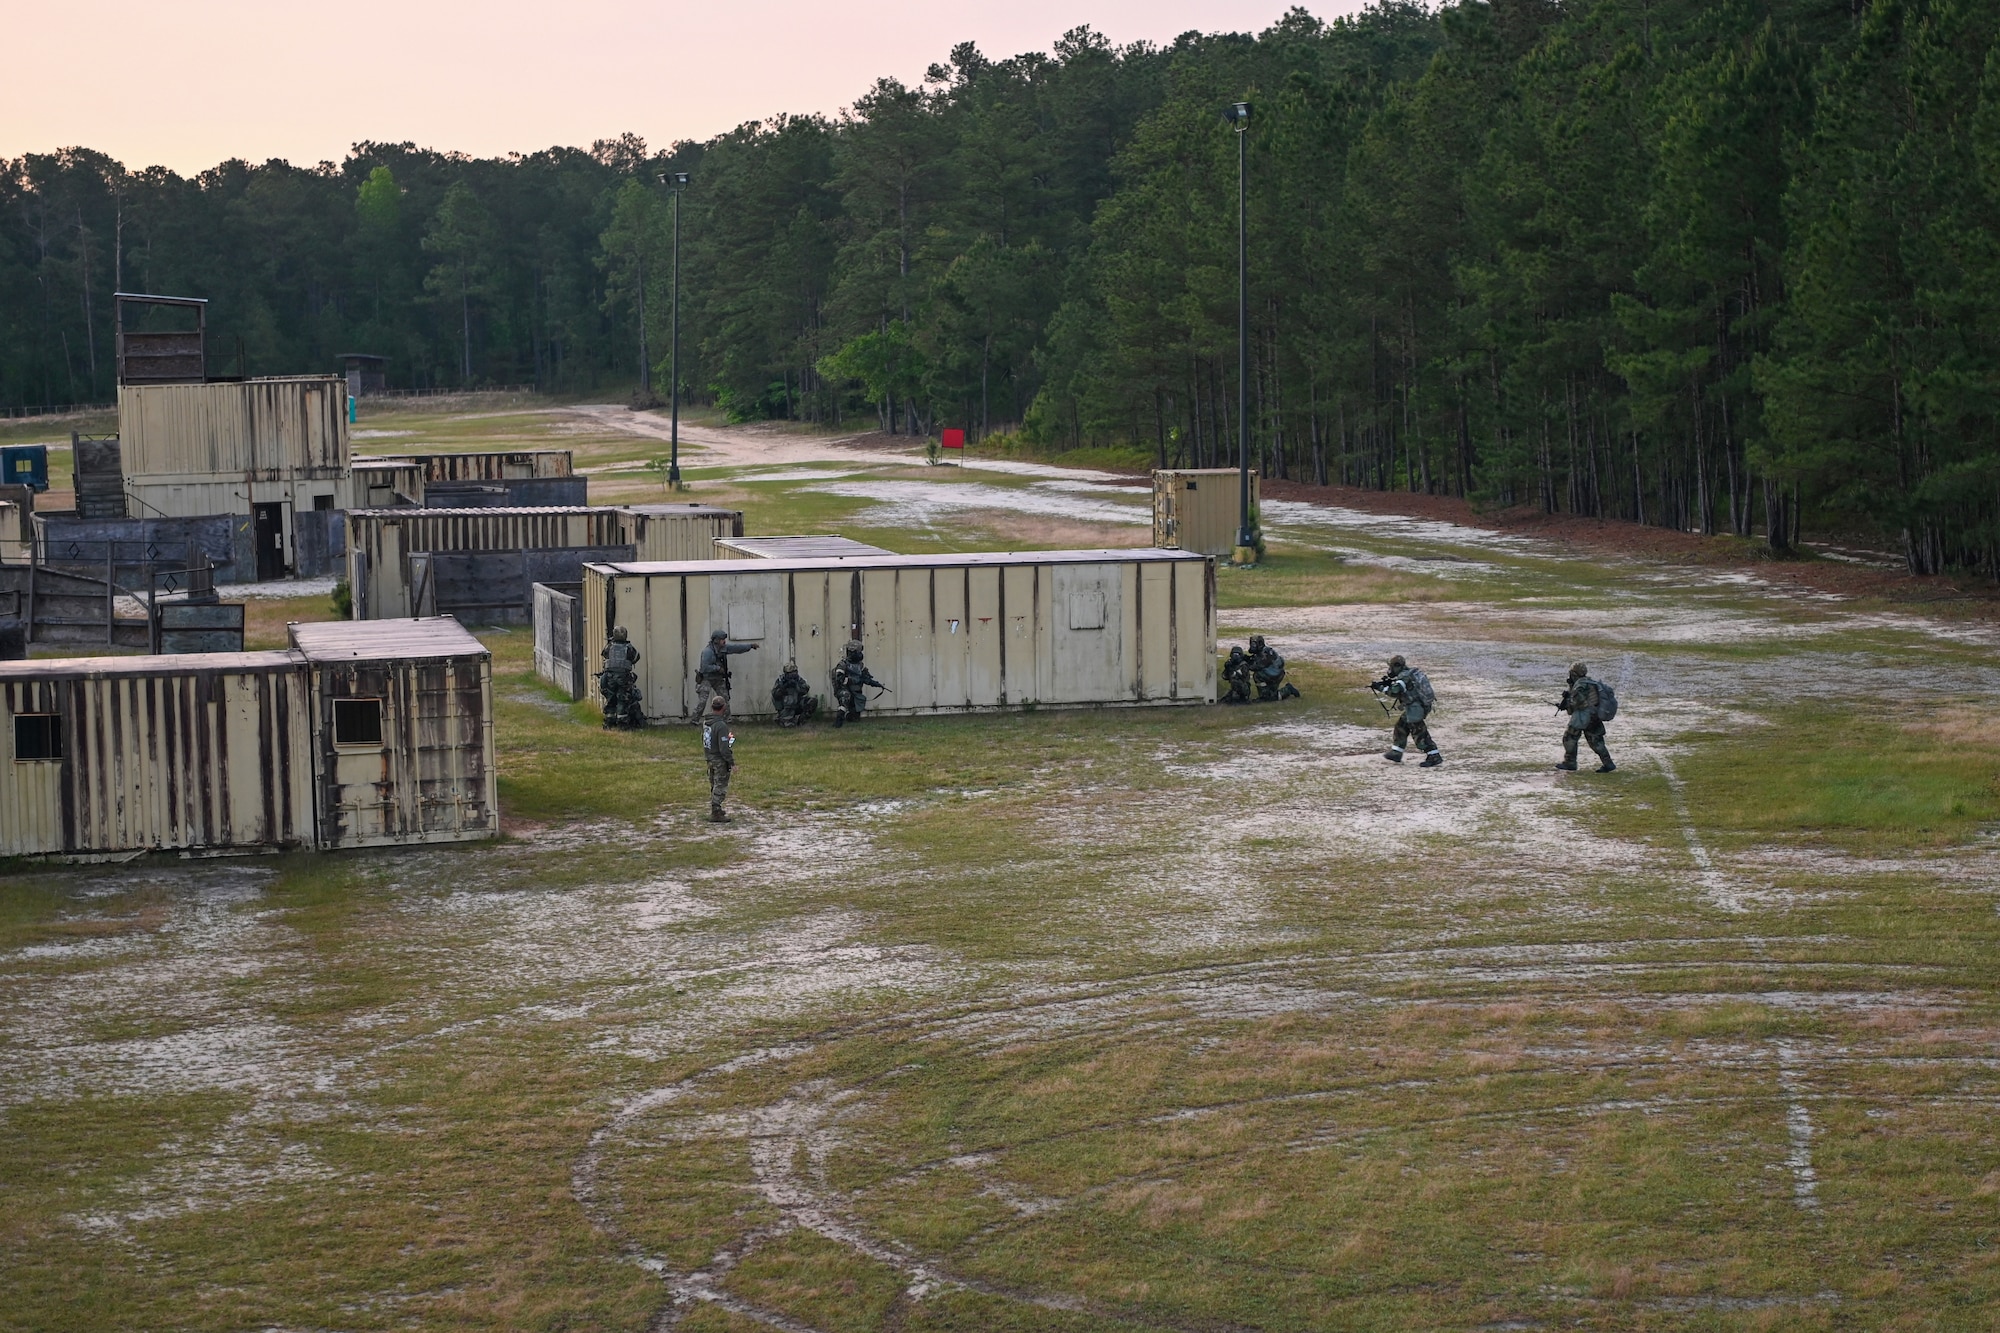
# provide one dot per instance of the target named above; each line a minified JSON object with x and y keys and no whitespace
{"x":402,"y":722}
{"x":248,"y":430}
{"x":355,"y":736}
{"x":1197,"y":509}
{"x":947,"y":633}
{"x":679,"y":532}
{"x":793,"y":548}
{"x":387,"y":583}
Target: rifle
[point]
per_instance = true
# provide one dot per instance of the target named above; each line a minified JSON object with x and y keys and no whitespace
{"x":1562,"y":704}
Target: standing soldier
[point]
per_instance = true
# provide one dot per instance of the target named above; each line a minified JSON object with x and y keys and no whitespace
{"x":793,"y":698}
{"x":711,"y":677}
{"x":1411,"y":688}
{"x":718,"y":746}
{"x":618,"y":685}
{"x":849,"y":675}
{"x":1590,"y":704}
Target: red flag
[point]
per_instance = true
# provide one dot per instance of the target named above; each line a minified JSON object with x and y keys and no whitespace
{"x":954,"y":438}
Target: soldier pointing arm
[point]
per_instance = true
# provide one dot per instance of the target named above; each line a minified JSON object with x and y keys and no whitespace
{"x":711,"y":676}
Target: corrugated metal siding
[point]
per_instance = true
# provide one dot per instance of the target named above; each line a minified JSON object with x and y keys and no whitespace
{"x":432,"y":778}
{"x":676,"y":532}
{"x":1197,"y":509}
{"x":790,"y":548}
{"x":177,"y":759}
{"x":380,"y":542}
{"x":269,"y":429}
{"x":947,"y":634}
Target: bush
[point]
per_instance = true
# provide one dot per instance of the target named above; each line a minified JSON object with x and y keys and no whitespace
{"x":343,"y":600}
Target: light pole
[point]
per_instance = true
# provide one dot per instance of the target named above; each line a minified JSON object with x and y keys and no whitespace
{"x":676,"y":182}
{"x":1246,"y":539}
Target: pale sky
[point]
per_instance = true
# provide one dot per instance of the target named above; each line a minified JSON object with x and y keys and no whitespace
{"x":193,"y":83}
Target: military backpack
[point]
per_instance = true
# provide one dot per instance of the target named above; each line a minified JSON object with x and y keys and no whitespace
{"x":1420,"y":688}
{"x":1607,"y":701}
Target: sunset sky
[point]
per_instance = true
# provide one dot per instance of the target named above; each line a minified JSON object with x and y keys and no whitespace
{"x":191,"y":84}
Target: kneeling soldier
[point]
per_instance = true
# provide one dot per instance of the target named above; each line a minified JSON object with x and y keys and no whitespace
{"x":793,"y":698}
{"x":718,"y":746}
{"x":1590,"y":704}
{"x":1269,"y":668}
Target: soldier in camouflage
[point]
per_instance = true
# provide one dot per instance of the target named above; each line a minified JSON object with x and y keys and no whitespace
{"x":1267,"y":665}
{"x":1404,"y":685}
{"x":711,"y":675}
{"x":850,"y":673}
{"x":793,"y":698}
{"x":718,"y":746}
{"x":1582,"y":701}
{"x":618,"y":685}
{"x":1236,"y":675}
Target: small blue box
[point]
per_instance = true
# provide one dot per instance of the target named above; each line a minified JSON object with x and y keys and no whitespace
{"x":25,"y":465}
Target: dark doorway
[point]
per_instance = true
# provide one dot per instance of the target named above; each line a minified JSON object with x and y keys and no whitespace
{"x":269,"y":522}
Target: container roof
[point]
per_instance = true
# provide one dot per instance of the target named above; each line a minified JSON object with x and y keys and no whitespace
{"x":800,"y":548}
{"x":145,"y":664}
{"x":366,"y":640}
{"x":678,"y":511}
{"x":956,"y":560}
{"x":424,"y":511}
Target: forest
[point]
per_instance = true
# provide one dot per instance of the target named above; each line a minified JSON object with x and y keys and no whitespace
{"x":1719,"y":265}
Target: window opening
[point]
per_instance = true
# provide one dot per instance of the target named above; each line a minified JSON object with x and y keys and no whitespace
{"x":37,"y":736}
{"x":357,"y":721}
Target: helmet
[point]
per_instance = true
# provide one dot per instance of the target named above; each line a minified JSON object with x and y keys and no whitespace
{"x":717,"y":635}
{"x":854,"y":649}
{"x":792,"y":668}
{"x":1256,"y":642}
{"x":618,"y":634}
{"x":1397,"y":663}
{"x":1578,"y":670}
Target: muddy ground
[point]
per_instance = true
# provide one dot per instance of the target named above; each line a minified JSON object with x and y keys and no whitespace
{"x":1174,"y":1019}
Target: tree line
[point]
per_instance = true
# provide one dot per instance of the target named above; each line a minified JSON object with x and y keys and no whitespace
{"x":1723,"y":265}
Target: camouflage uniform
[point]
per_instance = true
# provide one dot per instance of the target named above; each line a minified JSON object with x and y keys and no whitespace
{"x":711,"y":677}
{"x":1581,"y":699}
{"x":1236,"y":674}
{"x":1400,"y":684}
{"x":618,"y":685}
{"x":1268,"y":668}
{"x":849,"y":675}
{"x":792,"y":698}
{"x":718,"y":746}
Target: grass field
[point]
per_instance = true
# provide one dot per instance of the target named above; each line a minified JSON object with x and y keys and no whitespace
{"x":1179,"y":1019}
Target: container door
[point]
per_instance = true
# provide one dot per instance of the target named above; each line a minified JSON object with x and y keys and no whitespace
{"x":267,"y":522}
{"x":1088,"y":620}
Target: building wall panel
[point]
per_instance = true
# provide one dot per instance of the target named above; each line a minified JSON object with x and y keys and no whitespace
{"x":679,"y":532}
{"x":1198,"y":509}
{"x":261,"y":429}
{"x":944,"y":633}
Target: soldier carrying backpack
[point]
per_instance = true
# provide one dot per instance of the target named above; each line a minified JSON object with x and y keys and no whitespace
{"x":1406,"y":692}
{"x":1590,"y":704}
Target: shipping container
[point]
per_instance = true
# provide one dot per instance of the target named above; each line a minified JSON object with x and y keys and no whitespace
{"x":793,"y":548}
{"x":357,"y":735}
{"x":402,"y":722}
{"x":388,"y":583}
{"x":946,"y":633}
{"x":679,"y":532}
{"x":1198,"y":509}
{"x":277,"y":429}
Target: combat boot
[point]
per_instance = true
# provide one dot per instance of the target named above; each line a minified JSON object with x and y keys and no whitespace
{"x":1432,"y":760}
{"x":1607,"y":766}
{"x":1566,"y":766}
{"x":1394,"y":756}
{"x":840,"y":718}
{"x":716,"y":815}
{"x":1289,"y":692}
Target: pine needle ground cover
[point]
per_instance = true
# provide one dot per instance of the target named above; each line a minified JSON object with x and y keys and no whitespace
{"x":1180,"y":1019}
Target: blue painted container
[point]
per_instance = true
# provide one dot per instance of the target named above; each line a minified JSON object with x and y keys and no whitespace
{"x":25,"y":465}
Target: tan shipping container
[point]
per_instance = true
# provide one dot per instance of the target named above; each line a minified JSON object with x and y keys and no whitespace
{"x":947,"y":633}
{"x":679,"y":532}
{"x":1198,"y":509}
{"x":380,"y":543}
{"x":278,"y":429}
{"x":358,"y":735}
{"x":793,"y":548}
